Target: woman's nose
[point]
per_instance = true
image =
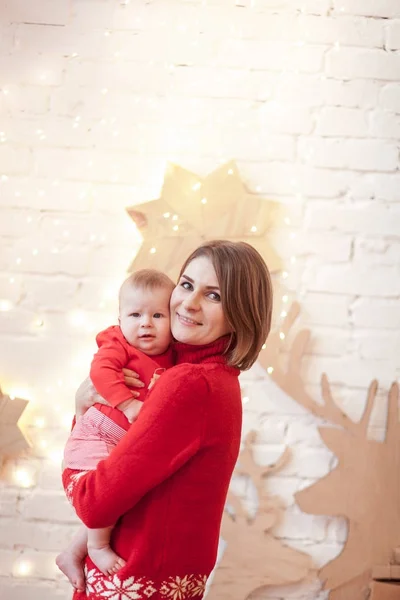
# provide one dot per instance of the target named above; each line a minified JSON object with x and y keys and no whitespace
{"x":192,"y":301}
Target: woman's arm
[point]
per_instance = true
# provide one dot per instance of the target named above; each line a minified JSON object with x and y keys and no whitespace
{"x":166,"y":434}
{"x":86,"y":394}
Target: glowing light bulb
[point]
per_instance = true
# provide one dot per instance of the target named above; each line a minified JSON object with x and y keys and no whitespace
{"x":285,"y":275}
{"x":245,"y":399}
{"x":270,"y":370}
{"x":263,"y":346}
{"x":204,"y":200}
{"x":166,"y":215}
{"x":22,"y":477}
{"x":5,"y":305}
{"x":282,"y":335}
{"x":196,"y":186}
{"x":253,"y":229}
{"x":285,"y":298}
{"x":230,"y":172}
{"x":40,"y":422}
{"x":175,"y":228}
{"x":175,"y":218}
{"x":284,"y":314}
{"x":153,"y":250}
{"x":23,"y":568}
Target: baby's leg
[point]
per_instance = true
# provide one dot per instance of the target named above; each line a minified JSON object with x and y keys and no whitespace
{"x":70,"y":561}
{"x":100,"y":552}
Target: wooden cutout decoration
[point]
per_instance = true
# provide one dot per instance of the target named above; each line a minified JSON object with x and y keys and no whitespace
{"x":12,"y":440}
{"x":364,"y":487}
{"x":254,"y":558}
{"x":192,"y":210}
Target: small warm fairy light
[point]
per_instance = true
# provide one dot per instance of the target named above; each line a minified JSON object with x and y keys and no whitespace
{"x":283,"y":314}
{"x":285,"y":274}
{"x":43,"y":444}
{"x":4,"y":178}
{"x":6,"y":91}
{"x":5,"y":305}
{"x":23,"y":568}
{"x":104,"y":91}
{"x":175,"y":218}
{"x":282,"y":335}
{"x":175,"y":227}
{"x":40,"y":422}
{"x":92,"y":238}
{"x":41,"y":193}
{"x":107,"y":33}
{"x":270,"y":370}
{"x":22,"y":478}
{"x":292,"y":259}
{"x":204,"y":200}
{"x":35,"y":252}
{"x":38,"y":323}
{"x":18,"y":260}
{"x":263,"y":346}
{"x":253,"y":229}
{"x":285,"y":298}
{"x":153,"y":250}
{"x":196,"y":186}
{"x":230,"y":172}
{"x":12,"y":280}
{"x":287,"y":221}
{"x":29,"y":219}
{"x":166,"y":215}
{"x":245,"y":399}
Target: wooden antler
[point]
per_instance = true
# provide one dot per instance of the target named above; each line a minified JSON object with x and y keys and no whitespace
{"x":291,"y":380}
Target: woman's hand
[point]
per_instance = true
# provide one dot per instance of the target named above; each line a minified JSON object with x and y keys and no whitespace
{"x":132,"y":381}
{"x":86,"y":395}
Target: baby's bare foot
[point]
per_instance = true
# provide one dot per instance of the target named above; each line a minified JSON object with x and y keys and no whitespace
{"x":72,"y":566}
{"x":106,"y":560}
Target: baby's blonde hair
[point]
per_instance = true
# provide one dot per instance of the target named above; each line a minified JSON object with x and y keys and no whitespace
{"x":147,"y":279}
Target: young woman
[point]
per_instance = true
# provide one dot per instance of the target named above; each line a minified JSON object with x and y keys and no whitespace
{"x":165,"y":484}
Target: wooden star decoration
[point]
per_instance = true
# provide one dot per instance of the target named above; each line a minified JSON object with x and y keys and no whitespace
{"x":192,"y":210}
{"x":12,"y":440}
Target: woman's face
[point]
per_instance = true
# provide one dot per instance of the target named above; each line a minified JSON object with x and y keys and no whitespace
{"x":196,"y":310}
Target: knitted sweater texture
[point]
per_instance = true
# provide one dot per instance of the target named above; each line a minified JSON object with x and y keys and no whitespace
{"x":164,"y":486}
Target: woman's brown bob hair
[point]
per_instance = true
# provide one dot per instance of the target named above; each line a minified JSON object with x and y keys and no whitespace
{"x":246,"y":296}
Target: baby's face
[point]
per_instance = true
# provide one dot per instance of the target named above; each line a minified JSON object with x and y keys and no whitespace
{"x":144,"y":319}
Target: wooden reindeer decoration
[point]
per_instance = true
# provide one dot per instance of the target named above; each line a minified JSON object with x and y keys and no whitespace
{"x":364,"y":487}
{"x":254,"y":558}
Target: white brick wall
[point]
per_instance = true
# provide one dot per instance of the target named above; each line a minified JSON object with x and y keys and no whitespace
{"x":95,"y":97}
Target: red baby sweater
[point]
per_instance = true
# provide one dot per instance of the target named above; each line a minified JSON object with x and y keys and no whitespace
{"x":114,"y":354}
{"x":165,"y":483}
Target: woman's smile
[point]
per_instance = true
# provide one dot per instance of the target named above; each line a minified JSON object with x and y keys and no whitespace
{"x":187,"y":320}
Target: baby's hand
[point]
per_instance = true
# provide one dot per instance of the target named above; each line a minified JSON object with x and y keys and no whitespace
{"x":156,"y":375}
{"x":131,"y":409}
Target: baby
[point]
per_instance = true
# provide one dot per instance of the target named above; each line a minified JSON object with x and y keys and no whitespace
{"x":141,"y":343}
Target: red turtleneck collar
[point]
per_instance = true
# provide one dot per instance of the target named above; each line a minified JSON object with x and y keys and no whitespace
{"x":213,"y":352}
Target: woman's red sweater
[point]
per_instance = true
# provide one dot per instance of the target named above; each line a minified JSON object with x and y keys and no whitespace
{"x":165,"y":484}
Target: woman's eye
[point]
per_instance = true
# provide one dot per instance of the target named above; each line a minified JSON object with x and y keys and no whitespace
{"x":214,"y":296}
{"x":186,"y":285}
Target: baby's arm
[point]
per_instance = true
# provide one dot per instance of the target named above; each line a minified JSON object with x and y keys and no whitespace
{"x":106,"y":369}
